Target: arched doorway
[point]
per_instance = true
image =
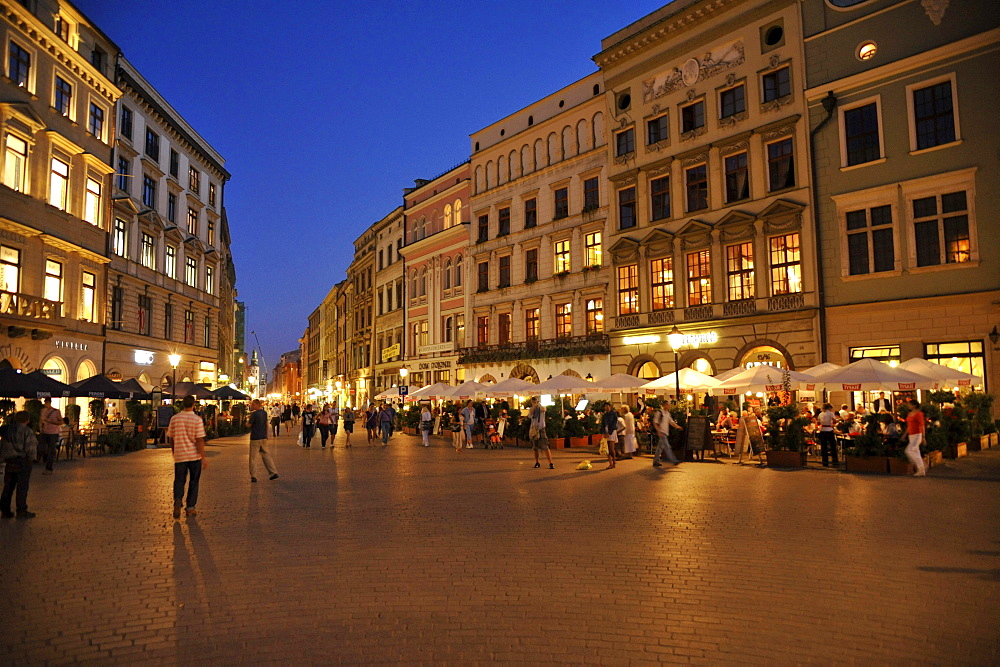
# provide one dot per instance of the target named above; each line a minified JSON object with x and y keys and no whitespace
{"x":483,"y":379}
{"x":524,"y":372}
{"x":648,"y":371}
{"x":5,"y":364}
{"x":702,"y":364}
{"x":85,"y":370}
{"x":570,"y":372}
{"x":764,"y":354}
{"x":56,"y":368}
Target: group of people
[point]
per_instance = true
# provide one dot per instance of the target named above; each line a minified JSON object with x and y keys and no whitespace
{"x":619,"y":429}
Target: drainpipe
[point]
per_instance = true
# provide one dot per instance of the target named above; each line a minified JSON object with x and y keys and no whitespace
{"x":829,"y":105}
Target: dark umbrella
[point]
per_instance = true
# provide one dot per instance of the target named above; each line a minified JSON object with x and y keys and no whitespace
{"x":14,"y":384}
{"x":100,"y":386}
{"x":137,"y":391}
{"x":227,"y":393}
{"x":192,"y":389}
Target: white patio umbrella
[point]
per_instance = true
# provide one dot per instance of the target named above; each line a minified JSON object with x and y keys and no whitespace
{"x":438,"y":390}
{"x":945,"y":376}
{"x":426,"y":392}
{"x":763,"y":378}
{"x":818,"y":370}
{"x":691,"y":380}
{"x":467,"y":389}
{"x":872,"y":375}
{"x":619,"y":383}
{"x":388,"y":394}
{"x":725,"y":375}
{"x":509,"y":387}
{"x":563,"y":384}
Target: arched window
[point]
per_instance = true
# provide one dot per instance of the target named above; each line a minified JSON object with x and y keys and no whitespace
{"x":423,"y":281}
{"x":413,"y":288}
{"x":458,"y":211}
{"x":447,"y":274}
{"x":447,"y":329}
{"x":447,"y":216}
{"x":458,"y":271}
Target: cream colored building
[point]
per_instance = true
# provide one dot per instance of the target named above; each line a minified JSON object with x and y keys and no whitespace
{"x":537,"y":275}
{"x":169,"y":281}
{"x":57,"y":130}
{"x":360,"y":310}
{"x":389,"y":310}
{"x":711,"y":215}
{"x":436,"y":240}
{"x":907,"y":178}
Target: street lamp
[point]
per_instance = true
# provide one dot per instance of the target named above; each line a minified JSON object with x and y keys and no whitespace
{"x":175,"y":360}
{"x":676,"y":340}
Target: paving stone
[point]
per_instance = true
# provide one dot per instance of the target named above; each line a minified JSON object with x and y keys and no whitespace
{"x":425,"y":555}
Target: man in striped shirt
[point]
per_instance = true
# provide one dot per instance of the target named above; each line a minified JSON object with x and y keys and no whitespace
{"x":186,"y":434}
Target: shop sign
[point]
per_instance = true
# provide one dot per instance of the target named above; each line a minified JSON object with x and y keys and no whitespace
{"x":390,"y":352}
{"x":207,"y":366}
{"x":116,"y":376}
{"x":437,"y":347}
{"x":52,"y":371}
{"x":71,"y":345}
{"x":851,"y":387}
{"x":433,"y":364}
{"x":694,"y":340}
{"x":143,"y":357}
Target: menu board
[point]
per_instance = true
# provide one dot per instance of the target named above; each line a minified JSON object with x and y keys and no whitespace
{"x":698,"y":433}
{"x":748,"y":432}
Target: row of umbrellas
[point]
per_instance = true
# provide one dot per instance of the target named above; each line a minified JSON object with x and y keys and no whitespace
{"x":862,"y":375}
{"x":14,"y":384}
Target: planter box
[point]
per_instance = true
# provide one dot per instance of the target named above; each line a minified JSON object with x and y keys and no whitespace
{"x":994,"y":439}
{"x":557,"y":443}
{"x":900,"y":467}
{"x":408,"y":430}
{"x":777,"y":459}
{"x":583,"y":441}
{"x":956,"y":451}
{"x":984,"y":442}
{"x":874,"y":464}
{"x":933,"y":458}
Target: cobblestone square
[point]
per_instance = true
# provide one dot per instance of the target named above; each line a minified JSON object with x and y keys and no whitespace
{"x":413,"y":554}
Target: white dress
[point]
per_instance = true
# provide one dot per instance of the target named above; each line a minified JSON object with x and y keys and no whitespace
{"x":628,"y":443}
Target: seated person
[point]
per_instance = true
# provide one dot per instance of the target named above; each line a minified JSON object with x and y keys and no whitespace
{"x":854,"y":425}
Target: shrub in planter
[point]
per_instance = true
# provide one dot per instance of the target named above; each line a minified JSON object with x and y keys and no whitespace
{"x":72,"y":414}
{"x":97,"y":409}
{"x":7,"y":406}
{"x":34,"y":410}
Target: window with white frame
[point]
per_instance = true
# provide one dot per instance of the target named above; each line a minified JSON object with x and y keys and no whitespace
{"x":933,"y":113}
{"x":92,"y":202}
{"x":786,"y":264}
{"x":59,"y":184}
{"x":662,"y":283}
{"x":15,"y":163}
{"x":62,"y":100}
{"x":699,"y":268}
{"x":119,"y":238}
{"x":941,"y":229}
{"x":861,"y":133}
{"x":19,"y":65}
{"x":53,"y":287}
{"x":592,"y":245}
{"x":191,"y":271}
{"x":210,"y":279}
{"x":170,"y":261}
{"x":147,"y":255}
{"x":780,"y":165}
{"x":88,"y":296}
{"x":870,"y":243}
{"x":10,"y":269}
{"x":560,"y":252}
{"x":740,"y":271}
{"x":95,"y":121}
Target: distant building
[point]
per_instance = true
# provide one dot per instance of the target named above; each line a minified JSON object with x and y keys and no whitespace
{"x":360,"y":293}
{"x":435,"y":250}
{"x":907,"y":178}
{"x":388,"y":350}
{"x":538,"y":280}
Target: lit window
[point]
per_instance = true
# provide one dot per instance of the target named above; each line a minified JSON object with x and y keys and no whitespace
{"x":194,"y":180}
{"x":59,"y":184}
{"x":739,"y":271}
{"x":192,"y":223}
{"x":170,"y":264}
{"x":531,"y":323}
{"x":211,"y":194}
{"x":561,"y":256}
{"x":189,"y":327}
{"x":699,"y":266}
{"x":662,"y":281}
{"x":966,"y":356}
{"x":867,"y":51}
{"x":483,"y":330}
{"x":119,"y":238}
{"x":15,"y":167}
{"x":148,"y":251}
{"x":211,"y":232}
{"x":595,"y":316}
{"x":786,"y":264}
{"x":10,"y":269}
{"x":592,"y":242}
{"x":210,"y":280}
{"x":628,"y":289}
{"x":53,"y":281}
{"x":92,"y":202}
{"x":88,"y":297}
{"x":564,"y":320}
{"x":191,"y":272}
{"x":941,"y":229}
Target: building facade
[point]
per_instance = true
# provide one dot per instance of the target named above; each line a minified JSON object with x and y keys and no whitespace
{"x":170,"y":261}
{"x":360,"y":294}
{"x":436,"y":239}
{"x":57,"y":131}
{"x":538,"y":280}
{"x":711,"y":212}
{"x":907,"y":179}
{"x":388,"y":302}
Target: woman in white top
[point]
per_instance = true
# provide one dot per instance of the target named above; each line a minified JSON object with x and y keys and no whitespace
{"x":426,"y":424}
{"x":628,"y":442}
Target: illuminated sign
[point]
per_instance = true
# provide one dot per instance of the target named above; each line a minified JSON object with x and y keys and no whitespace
{"x":143,"y":357}
{"x":694,"y":340}
{"x":640,"y":340}
{"x":390,"y":352}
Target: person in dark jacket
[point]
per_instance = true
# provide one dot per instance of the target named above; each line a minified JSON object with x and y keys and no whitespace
{"x":18,"y":447}
{"x":258,"y":440}
{"x":609,"y":429}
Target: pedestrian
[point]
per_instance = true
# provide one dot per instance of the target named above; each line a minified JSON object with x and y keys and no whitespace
{"x":482,"y":414}
{"x":628,"y":439}
{"x":323,"y":423}
{"x":609,"y":429}
{"x":468,"y":423}
{"x":916,"y":426}
{"x":51,"y":422}
{"x":18,"y":447}
{"x":276,"y":420}
{"x":371,"y":423}
{"x":426,"y":424}
{"x":827,"y":437}
{"x":258,"y":440}
{"x":537,"y":434}
{"x":385,"y":415}
{"x":334,"y":418}
{"x":456,"y":429}
{"x":286,"y":418}
{"x":308,"y":425}
{"x":663,"y":420}
{"x":296,"y":411}
{"x":348,"y":425}
{"x":186,"y":435}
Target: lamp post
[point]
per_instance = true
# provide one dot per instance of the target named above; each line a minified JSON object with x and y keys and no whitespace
{"x":676,"y":340}
{"x":175,"y":360}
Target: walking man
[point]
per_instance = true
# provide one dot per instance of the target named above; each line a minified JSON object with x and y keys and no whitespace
{"x":258,"y":441}
{"x":385,"y":416}
{"x":186,"y":435}
{"x":536,"y":432}
{"x":663,"y":420}
{"x":51,"y":424}
{"x":468,"y":421}
{"x":18,"y":447}
{"x":916,"y":425}
{"x":308,"y":425}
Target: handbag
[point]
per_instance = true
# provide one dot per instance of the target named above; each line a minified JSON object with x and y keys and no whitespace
{"x":533,"y":432}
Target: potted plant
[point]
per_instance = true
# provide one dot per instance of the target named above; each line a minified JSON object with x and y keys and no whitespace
{"x":97,"y":409}
{"x":786,"y":448}
{"x":576,"y":432}
{"x":555,"y":426}
{"x":867,"y":452}
{"x":411,"y":420}
{"x":977,"y":406}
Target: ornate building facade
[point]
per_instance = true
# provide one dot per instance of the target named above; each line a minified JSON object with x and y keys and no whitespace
{"x":389,"y":311}
{"x":711,"y":212}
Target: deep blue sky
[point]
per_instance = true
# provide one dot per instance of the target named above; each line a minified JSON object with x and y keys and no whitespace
{"x":325,"y":111}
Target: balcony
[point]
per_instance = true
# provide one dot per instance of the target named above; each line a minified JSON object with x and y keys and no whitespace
{"x":575,"y":346}
{"x":729,"y":309}
{"x":31,"y":309}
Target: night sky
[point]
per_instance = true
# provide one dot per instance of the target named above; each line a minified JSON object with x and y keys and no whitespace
{"x":325,"y":111}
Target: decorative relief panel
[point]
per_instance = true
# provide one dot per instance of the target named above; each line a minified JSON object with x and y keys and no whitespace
{"x":719,"y":59}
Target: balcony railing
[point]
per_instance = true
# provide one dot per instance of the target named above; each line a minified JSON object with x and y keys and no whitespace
{"x":575,"y":346}
{"x":742,"y":308}
{"x":30,"y":307}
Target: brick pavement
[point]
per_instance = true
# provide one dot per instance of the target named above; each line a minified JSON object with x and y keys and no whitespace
{"x":422,"y":554}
